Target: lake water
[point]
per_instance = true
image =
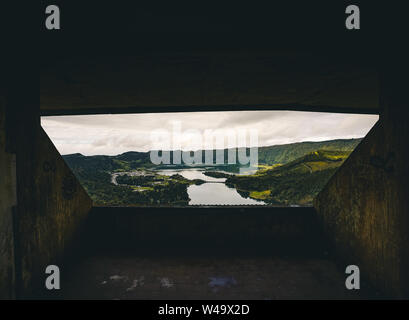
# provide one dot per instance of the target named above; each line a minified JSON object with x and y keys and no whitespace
{"x":213,"y":192}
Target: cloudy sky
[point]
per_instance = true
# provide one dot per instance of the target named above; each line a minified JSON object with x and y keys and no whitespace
{"x":115,"y":134}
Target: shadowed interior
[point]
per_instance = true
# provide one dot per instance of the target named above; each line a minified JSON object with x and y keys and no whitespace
{"x":361,"y":216}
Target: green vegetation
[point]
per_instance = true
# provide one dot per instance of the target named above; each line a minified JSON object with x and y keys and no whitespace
{"x":294,"y":183}
{"x":261,"y":195}
{"x":287,"y":175}
{"x":216,"y":174}
{"x":95,"y":175}
{"x":289,"y":152}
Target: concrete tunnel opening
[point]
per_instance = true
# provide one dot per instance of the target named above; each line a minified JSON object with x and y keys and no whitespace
{"x":359,"y":217}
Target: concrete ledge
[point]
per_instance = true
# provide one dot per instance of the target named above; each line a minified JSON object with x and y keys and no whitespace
{"x":210,"y":230}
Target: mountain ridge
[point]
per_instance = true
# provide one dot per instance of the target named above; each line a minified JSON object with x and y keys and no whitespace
{"x":290,"y":174}
{"x":282,"y":153}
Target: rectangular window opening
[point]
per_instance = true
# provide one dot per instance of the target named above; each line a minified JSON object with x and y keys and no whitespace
{"x":233,"y":158}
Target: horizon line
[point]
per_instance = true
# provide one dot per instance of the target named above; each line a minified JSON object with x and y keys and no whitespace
{"x":267,"y":146}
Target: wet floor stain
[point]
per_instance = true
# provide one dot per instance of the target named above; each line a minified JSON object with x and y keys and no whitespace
{"x":117,"y":278}
{"x":166,"y":283}
{"x":136,"y":283}
{"x":205,"y":278}
{"x":222,"y":282}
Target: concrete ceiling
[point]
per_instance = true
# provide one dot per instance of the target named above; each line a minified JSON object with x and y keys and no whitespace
{"x":198,"y":81}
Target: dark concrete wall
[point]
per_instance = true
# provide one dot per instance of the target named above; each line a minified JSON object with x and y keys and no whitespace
{"x":212,"y":80}
{"x":49,"y":229}
{"x":364,"y":207}
{"x":206,"y":230}
{"x":7,"y":202}
{"x":51,"y":204}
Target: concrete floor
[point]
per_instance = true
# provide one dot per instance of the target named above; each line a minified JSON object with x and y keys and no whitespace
{"x":259,"y":278}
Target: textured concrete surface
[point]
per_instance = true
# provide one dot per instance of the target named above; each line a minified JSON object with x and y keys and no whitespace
{"x":196,"y":229}
{"x":7,"y":202}
{"x":364,"y":207}
{"x":52,"y":206}
{"x":207,"y":80}
{"x":260,"y":278}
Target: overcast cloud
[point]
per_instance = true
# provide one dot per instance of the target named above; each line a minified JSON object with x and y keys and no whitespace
{"x":115,"y":134}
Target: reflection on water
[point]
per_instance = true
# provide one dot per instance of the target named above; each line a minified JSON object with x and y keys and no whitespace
{"x":191,"y":174}
{"x":215,"y":192}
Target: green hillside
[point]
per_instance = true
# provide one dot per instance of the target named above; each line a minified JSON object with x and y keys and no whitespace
{"x":279,"y":154}
{"x":123,"y":162}
{"x":288,"y":174}
{"x":295,"y":183}
{"x":289,"y":152}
